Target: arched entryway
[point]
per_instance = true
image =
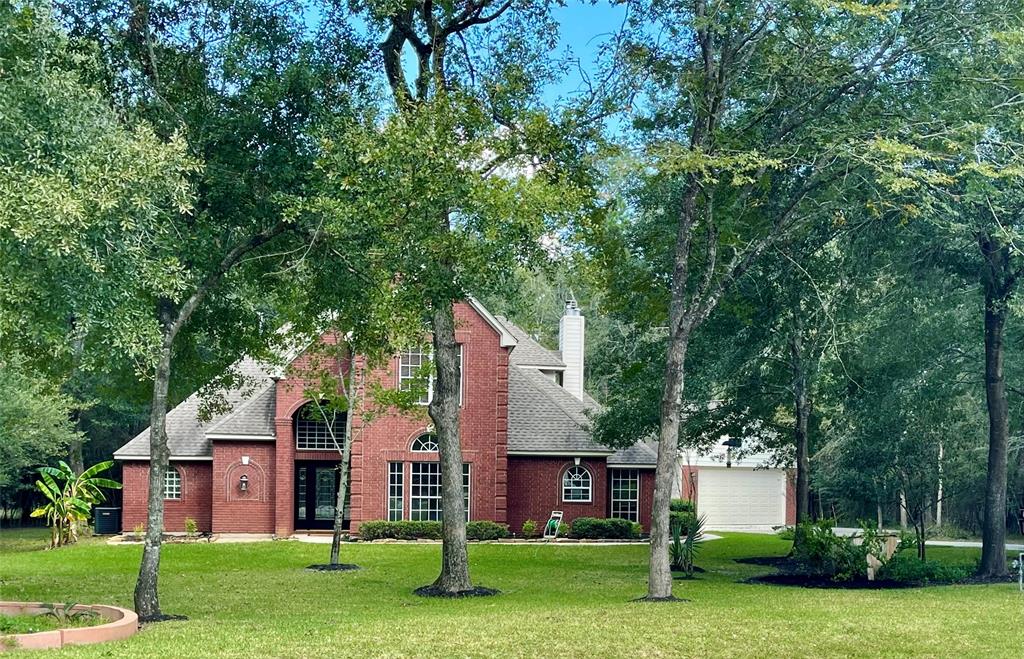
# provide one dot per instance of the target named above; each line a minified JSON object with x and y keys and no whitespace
{"x":317,"y":480}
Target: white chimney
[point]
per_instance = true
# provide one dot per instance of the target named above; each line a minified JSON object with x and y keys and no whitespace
{"x":570,"y":343}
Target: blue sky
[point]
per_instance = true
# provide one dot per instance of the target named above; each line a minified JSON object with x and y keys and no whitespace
{"x":583,"y":27}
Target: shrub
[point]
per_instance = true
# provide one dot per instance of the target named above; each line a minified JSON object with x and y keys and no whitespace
{"x":191,"y":528}
{"x":424,"y":530}
{"x":820,"y":552}
{"x":139,"y":531}
{"x":682,"y":506}
{"x":910,"y":569}
{"x":402,"y":530}
{"x":486,"y":530}
{"x":786,"y":533}
{"x":563,"y":530}
{"x":682,"y":519}
{"x":595,"y":528}
{"x":529,"y":528}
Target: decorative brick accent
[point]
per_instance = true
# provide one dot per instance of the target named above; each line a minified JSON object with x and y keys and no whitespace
{"x":251,"y":511}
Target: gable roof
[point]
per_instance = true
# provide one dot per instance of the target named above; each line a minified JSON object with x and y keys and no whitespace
{"x":528,"y":352}
{"x":186,"y":434}
{"x":545,"y":418}
{"x":253,"y":418}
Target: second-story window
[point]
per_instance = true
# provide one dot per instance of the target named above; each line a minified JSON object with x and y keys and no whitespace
{"x":416,"y":363}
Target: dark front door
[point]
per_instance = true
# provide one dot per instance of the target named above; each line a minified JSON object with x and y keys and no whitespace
{"x":316,"y":492}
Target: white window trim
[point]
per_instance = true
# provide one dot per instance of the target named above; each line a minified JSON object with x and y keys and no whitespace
{"x":436,"y":448}
{"x":467,"y":486}
{"x":430,"y":379}
{"x":180,"y":485}
{"x":590,"y":485}
{"x":634,"y":476}
{"x":401,"y":490}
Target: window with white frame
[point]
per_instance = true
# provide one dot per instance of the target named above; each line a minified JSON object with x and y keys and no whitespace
{"x":314,"y":433}
{"x":425,"y":444}
{"x":396,"y":490}
{"x":626,"y":494}
{"x":576,"y":484}
{"x":425,"y":491}
{"x":172,"y":484}
{"x":412,"y":364}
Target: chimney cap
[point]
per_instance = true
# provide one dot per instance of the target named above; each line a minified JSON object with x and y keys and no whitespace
{"x":572,"y":308}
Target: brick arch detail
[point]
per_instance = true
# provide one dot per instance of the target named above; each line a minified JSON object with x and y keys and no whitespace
{"x":259,"y":491}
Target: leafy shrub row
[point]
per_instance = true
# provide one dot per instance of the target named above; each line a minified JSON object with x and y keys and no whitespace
{"x":596,"y":528}
{"x":409,"y":530}
{"x":906,"y":568}
{"x":682,"y":506}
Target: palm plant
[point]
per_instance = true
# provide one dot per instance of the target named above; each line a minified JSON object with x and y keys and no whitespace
{"x":70,"y":498}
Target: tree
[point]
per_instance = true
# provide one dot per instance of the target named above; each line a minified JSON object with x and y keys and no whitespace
{"x":70,"y":498}
{"x":758,"y":112}
{"x":245,"y":87}
{"x":961,"y":170}
{"x":34,"y":424}
{"x":469,"y":170}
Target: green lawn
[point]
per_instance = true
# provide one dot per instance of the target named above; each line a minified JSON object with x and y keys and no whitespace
{"x":255,"y":600}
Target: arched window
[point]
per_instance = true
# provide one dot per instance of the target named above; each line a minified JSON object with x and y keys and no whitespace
{"x":426,"y":443}
{"x":172,"y":484}
{"x":576,"y":484}
{"x":318,"y":426}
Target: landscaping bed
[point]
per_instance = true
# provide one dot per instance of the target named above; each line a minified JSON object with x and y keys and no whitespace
{"x":37,"y":625}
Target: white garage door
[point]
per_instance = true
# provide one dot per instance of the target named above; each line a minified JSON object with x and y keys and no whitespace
{"x":737,"y":498}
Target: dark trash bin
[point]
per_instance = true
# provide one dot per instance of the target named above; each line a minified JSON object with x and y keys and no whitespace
{"x":108,"y":521}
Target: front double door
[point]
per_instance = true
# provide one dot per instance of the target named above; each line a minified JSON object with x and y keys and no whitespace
{"x":316,"y":493}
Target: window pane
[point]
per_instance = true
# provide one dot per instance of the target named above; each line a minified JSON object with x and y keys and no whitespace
{"x":425,"y":494}
{"x":312,"y":433}
{"x":325,"y":495}
{"x":396,"y":490}
{"x":626,"y":494}
{"x":576,"y":484}
{"x":172,"y":484}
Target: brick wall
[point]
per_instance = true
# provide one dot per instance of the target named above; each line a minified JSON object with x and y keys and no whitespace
{"x":195,"y":499}
{"x":535,"y":489}
{"x":387,"y":437}
{"x":251,"y":511}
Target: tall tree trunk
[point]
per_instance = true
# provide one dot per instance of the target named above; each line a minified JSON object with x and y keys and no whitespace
{"x":659,"y":582}
{"x":349,"y":385}
{"x":147,"y":600}
{"x":444,"y":411}
{"x":997,"y":284}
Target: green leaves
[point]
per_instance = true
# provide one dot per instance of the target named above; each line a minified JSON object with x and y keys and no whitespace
{"x":71,"y":498}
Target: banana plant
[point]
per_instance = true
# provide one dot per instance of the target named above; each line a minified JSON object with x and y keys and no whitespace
{"x":70,"y":498}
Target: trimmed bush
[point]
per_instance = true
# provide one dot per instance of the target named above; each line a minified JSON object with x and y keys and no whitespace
{"x":486,"y":530}
{"x":403,"y":530}
{"x":910,"y":569}
{"x":684,"y":520}
{"x":410,"y":530}
{"x":596,"y":528}
{"x":529,"y":529}
{"x":682,"y":506}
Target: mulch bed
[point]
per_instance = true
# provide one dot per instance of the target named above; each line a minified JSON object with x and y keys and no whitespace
{"x":332,"y":567}
{"x":812,"y":581}
{"x":437,"y":591}
{"x":163,"y":617}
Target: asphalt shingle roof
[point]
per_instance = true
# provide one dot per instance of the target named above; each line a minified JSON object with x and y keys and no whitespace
{"x":253,"y":417}
{"x":528,"y":351}
{"x":544,"y":417}
{"x":186,"y":434}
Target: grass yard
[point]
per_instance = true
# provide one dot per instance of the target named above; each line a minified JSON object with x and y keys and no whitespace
{"x":255,"y":600}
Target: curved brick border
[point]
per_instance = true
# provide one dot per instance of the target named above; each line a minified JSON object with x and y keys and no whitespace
{"x":123,"y":623}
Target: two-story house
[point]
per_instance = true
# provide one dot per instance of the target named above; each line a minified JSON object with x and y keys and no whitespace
{"x":267,"y":467}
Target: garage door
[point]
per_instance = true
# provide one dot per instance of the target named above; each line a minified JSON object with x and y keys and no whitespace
{"x":741,"y":498}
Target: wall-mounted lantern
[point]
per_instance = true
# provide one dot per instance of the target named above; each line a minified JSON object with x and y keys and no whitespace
{"x":243,"y":483}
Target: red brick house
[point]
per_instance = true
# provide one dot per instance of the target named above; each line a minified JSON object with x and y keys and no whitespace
{"x":267,"y":467}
